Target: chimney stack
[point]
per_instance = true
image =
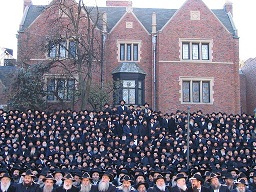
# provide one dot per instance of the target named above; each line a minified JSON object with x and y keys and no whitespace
{"x":26,"y":3}
{"x":153,"y":22}
{"x":118,"y":3}
{"x":228,"y":7}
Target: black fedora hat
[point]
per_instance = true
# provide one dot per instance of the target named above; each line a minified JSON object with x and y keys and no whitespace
{"x":241,"y":181}
{"x":29,"y":173}
{"x":180,"y":176}
{"x":109,"y":174}
{"x":159,"y":177}
{"x":126,"y":178}
{"x":213,"y":175}
{"x":198,"y":177}
{"x":5,"y":175}
{"x":141,"y":183}
{"x":68,"y":176}
{"x":49,"y":177}
{"x":86,"y":175}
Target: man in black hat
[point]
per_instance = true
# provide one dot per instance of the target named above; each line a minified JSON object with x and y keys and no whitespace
{"x":6,"y":185}
{"x":67,"y":184}
{"x":86,"y":185}
{"x":142,"y":187}
{"x":95,"y":174}
{"x":197,"y":184}
{"x":229,"y":181}
{"x":215,"y":185}
{"x":48,"y":183}
{"x":159,"y":185}
{"x":105,"y":183}
{"x":181,"y":185}
{"x":126,"y":185}
{"x":28,"y":183}
{"x":241,"y":186}
{"x":58,"y":176}
{"x":121,"y":109}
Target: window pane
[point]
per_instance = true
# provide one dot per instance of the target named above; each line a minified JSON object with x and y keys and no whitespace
{"x":52,"y":50}
{"x":131,"y":96}
{"x":206,"y":92}
{"x":126,"y":95}
{"x":70,"y":89}
{"x":139,"y":84}
{"x":128,"y":84}
{"x":62,"y":50}
{"x":205,"y":51}
{"x":196,"y":91}
{"x":139,"y":97}
{"x":50,"y":89}
{"x":185,"y":51}
{"x":72,"y":49}
{"x":122,"y":52}
{"x":186,"y":91}
{"x":135,"y":52}
{"x":61,"y":88}
{"x":195,"y":51}
{"x":129,"y":52}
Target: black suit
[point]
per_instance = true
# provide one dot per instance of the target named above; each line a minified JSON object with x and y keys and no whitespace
{"x":176,"y":189}
{"x":223,"y":188}
{"x":203,"y":189}
{"x":156,"y":189}
{"x":10,"y":189}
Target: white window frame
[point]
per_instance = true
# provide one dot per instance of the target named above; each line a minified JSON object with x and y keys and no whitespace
{"x":130,"y":45}
{"x":201,"y":80}
{"x":57,"y":77}
{"x":193,"y":49}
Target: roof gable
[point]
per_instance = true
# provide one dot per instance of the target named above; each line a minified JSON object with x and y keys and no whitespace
{"x":144,"y":15}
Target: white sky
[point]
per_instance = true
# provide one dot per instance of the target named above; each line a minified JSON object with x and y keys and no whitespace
{"x":244,"y":18}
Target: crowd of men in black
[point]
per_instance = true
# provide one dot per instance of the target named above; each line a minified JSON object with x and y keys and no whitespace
{"x":127,"y":140}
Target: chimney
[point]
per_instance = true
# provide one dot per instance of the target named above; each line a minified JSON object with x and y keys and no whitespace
{"x":104,"y":24}
{"x":26,"y":3}
{"x":153,"y":22}
{"x":118,"y":3}
{"x":228,"y":7}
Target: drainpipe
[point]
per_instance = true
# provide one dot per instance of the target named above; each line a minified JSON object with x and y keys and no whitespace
{"x":154,"y":41}
{"x":103,"y":41}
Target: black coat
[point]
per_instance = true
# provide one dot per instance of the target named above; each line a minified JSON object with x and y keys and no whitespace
{"x":176,"y":189}
{"x":156,"y":189}
{"x":32,"y":188}
{"x":203,"y":189}
{"x":10,"y":189}
{"x":223,"y":188}
{"x":61,"y":189}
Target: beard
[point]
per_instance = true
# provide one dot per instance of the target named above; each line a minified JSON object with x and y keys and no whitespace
{"x":240,"y":190}
{"x":162,"y":188}
{"x":126,"y":189}
{"x":66,"y":187}
{"x":195,"y":189}
{"x":103,"y":186}
{"x":85,"y":188}
{"x":183,"y":187}
{"x":47,"y":188}
{"x":4,"y":187}
{"x":215,"y":186}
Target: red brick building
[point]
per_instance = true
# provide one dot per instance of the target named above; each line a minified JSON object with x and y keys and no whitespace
{"x":169,"y":58}
{"x":248,"y":88}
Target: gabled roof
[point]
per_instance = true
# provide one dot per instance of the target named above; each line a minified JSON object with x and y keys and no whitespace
{"x":128,"y":67}
{"x":6,"y":73}
{"x":32,"y":13}
{"x":144,"y":15}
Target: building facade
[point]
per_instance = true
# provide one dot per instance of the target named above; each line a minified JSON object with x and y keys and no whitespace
{"x":170,"y":58}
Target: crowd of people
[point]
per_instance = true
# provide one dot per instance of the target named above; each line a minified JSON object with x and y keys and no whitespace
{"x":127,"y":144}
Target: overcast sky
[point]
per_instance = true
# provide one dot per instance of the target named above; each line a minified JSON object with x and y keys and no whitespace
{"x":244,"y":17}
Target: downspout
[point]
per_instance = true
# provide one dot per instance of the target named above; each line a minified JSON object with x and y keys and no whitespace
{"x":103,"y":41}
{"x":154,"y":41}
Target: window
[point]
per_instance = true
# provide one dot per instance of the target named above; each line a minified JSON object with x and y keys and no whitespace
{"x":129,"y":90}
{"x":196,"y":91}
{"x":62,"y":49}
{"x":60,"y":89}
{"x":129,"y":51}
{"x":194,"y":50}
